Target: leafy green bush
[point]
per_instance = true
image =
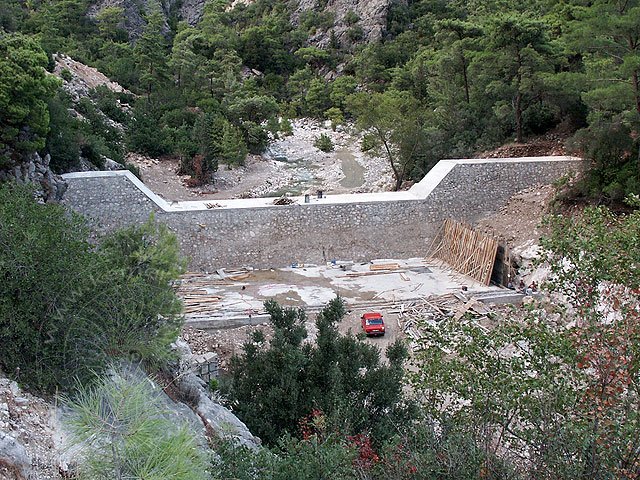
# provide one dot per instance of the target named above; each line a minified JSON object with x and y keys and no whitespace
{"x":351,"y":18}
{"x":355,"y":33}
{"x":613,"y":151}
{"x":107,"y":102}
{"x":67,"y":307}
{"x":324,"y":143}
{"x":144,"y":135}
{"x":66,"y":74}
{"x":63,"y":139}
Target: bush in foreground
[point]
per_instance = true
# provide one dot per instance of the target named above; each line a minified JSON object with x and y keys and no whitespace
{"x":66,"y":306}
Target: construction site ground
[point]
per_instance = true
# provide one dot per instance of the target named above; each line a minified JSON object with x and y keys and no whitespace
{"x":224,"y":308}
{"x":409,"y":286}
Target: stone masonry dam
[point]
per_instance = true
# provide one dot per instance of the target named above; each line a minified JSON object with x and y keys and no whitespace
{"x":359,"y":227}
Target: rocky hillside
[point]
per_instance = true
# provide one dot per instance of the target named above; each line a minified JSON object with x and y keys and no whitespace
{"x":362,"y":19}
{"x":134,"y":11}
{"x":354,"y":19}
{"x":34,"y":440}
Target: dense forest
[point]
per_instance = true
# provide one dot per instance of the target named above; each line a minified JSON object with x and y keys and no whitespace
{"x":447,"y":79}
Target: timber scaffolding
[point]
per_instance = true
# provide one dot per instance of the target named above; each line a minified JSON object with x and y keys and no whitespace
{"x":465,"y":250}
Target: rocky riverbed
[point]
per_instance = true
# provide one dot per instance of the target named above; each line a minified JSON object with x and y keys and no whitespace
{"x":291,"y":165}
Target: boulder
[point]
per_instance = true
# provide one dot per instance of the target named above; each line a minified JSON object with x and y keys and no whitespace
{"x":14,"y":457}
{"x":35,"y":169}
{"x":217,"y":419}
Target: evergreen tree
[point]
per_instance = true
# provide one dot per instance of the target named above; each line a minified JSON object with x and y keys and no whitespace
{"x":150,"y":54}
{"x":233,"y":149}
{"x":276,"y":386}
{"x":25,"y":88}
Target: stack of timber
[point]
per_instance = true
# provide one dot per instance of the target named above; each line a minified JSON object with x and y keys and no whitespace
{"x":283,"y":201}
{"x":197,"y":300}
{"x":417,"y":318}
{"x":194,"y":290}
{"x":466,"y":250}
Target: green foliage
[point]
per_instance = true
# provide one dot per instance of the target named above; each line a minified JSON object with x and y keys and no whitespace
{"x":336,"y":117}
{"x":613,"y":151}
{"x":67,"y":307}
{"x":143,"y":135}
{"x":25,"y":88}
{"x":419,"y":451}
{"x":66,"y":74}
{"x":394,"y":125}
{"x":150,"y":55}
{"x":316,"y":100}
{"x":478,"y":74}
{"x":63,"y":139}
{"x":12,"y":15}
{"x":555,"y":388}
{"x":355,"y":33}
{"x":233,"y":148}
{"x":125,"y":432}
{"x":323,"y":143}
{"x":274,"y":387}
{"x":351,"y":18}
{"x":329,"y":456}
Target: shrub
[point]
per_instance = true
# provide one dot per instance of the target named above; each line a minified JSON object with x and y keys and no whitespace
{"x":324,"y":143}
{"x":351,"y":18}
{"x":275,"y":386}
{"x":67,"y":307}
{"x":66,"y":74}
{"x":355,"y":33}
{"x":125,"y":432}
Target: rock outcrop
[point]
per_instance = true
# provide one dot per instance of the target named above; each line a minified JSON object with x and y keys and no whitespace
{"x":13,"y":457}
{"x":368,"y":16}
{"x":35,"y":169}
{"x":371,"y":16}
{"x":26,"y":435}
{"x":217,"y":419}
{"x":78,"y":79}
{"x":134,"y":12}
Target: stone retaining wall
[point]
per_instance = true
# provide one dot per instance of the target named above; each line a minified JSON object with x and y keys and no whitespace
{"x":357,"y":227}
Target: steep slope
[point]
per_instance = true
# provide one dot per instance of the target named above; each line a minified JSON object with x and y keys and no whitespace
{"x":353,"y":18}
{"x":360,"y":20}
{"x":134,"y":11}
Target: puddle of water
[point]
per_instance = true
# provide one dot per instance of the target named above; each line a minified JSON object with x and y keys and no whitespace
{"x":353,"y":171}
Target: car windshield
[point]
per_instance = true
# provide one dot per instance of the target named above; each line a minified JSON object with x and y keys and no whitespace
{"x":374,"y":321}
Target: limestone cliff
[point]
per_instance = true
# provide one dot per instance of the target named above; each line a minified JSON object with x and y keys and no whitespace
{"x":355,"y":20}
{"x":134,"y":11}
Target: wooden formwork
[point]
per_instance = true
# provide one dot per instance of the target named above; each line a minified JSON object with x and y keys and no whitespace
{"x":465,"y":250}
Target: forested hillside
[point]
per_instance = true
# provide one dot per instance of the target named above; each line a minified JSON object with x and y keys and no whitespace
{"x":430,"y":79}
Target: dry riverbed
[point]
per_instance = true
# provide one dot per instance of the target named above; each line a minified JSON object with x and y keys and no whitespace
{"x":291,"y":165}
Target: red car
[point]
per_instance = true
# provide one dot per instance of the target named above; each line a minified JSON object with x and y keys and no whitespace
{"x":373,"y":323}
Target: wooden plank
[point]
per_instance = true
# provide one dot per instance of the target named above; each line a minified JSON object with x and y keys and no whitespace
{"x":384,"y":266}
{"x":242,"y":276}
{"x":467,"y":251}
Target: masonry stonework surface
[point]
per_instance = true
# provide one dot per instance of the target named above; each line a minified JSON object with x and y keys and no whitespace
{"x":354,"y":227}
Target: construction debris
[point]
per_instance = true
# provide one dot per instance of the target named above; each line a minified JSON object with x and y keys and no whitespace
{"x":416,"y":317}
{"x":283,"y":201}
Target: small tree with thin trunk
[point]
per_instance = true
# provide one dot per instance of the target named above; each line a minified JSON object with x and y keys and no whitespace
{"x":393,"y":124}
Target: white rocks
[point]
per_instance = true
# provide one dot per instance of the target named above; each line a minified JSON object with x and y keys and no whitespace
{"x":14,"y":456}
